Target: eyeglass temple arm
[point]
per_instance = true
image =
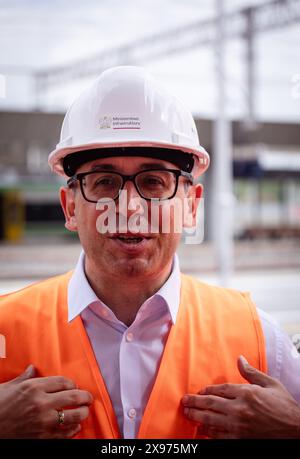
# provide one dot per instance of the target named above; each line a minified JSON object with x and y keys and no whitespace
{"x":188,"y":176}
{"x":72,"y":180}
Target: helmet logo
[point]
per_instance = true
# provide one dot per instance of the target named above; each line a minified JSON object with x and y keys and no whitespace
{"x":120,"y":122}
{"x":105,"y":122}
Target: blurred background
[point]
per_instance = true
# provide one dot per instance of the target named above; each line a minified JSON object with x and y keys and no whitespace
{"x":235,"y":63}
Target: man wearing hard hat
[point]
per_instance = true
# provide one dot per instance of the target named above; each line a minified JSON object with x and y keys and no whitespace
{"x":155,"y":350}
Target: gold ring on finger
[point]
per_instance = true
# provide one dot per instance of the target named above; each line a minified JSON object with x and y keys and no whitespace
{"x":60,"y":417}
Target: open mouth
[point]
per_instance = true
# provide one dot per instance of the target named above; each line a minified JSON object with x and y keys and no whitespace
{"x":130,"y":240}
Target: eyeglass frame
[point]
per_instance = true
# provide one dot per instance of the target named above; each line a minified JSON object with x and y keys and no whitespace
{"x":125,"y":178}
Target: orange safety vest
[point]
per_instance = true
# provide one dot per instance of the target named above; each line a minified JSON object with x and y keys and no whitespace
{"x":213,"y":327}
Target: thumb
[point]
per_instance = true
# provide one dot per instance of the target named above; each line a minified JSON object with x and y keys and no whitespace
{"x":252,"y":375}
{"x":27,"y":374}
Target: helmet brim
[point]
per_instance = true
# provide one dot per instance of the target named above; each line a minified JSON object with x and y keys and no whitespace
{"x":56,"y":158}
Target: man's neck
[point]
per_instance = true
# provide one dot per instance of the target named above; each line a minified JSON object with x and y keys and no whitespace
{"x":124,"y":296}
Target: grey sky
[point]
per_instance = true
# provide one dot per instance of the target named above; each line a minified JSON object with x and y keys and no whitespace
{"x":37,"y":34}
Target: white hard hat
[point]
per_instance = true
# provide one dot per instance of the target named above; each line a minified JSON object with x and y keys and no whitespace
{"x":126,"y":112}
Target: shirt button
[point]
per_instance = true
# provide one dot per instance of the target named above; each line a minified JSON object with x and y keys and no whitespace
{"x":104,"y":312}
{"x":132,"y":413}
{"x":129,"y":337}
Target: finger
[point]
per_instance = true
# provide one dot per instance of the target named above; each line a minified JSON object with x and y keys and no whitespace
{"x":208,"y":418}
{"x":27,"y":374}
{"x":52,"y":384}
{"x":72,"y":417}
{"x":71,"y":433}
{"x":66,"y":433}
{"x":253,"y":375}
{"x":73,"y":397}
{"x":207,"y":402}
{"x":208,"y":430}
{"x":226,"y":390}
{"x":214,"y":433}
{"x":76,"y":415}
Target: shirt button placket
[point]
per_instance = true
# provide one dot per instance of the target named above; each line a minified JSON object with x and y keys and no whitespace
{"x":130,"y":413}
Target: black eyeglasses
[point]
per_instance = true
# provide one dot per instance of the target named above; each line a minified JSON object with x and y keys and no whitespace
{"x":154,"y":184}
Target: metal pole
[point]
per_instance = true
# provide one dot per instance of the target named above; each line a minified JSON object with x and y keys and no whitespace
{"x":249,"y":35}
{"x":222,"y":165}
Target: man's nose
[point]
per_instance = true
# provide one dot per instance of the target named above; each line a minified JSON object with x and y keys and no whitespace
{"x":131,"y":190}
{"x":130,"y":198}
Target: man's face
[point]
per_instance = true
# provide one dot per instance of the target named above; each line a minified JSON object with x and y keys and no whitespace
{"x":142,"y":255}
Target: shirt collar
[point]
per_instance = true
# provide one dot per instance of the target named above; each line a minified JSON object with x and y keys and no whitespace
{"x":81,"y":295}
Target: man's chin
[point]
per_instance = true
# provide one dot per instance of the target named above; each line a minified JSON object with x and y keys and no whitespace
{"x":132,"y":266}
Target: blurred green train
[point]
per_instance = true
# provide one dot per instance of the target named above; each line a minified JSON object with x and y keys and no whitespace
{"x":30,"y":209}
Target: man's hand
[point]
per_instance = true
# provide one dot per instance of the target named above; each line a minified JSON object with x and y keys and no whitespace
{"x":29,"y":407}
{"x":261,"y":409}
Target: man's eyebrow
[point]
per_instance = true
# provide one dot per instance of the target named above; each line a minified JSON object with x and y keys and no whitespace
{"x":152,"y":166}
{"x":105,"y":166}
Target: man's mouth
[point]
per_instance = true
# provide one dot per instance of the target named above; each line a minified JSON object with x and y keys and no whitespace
{"x":130,"y":240}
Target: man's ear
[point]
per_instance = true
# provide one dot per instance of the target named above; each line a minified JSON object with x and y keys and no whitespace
{"x":194,"y":195}
{"x":67,"y":200}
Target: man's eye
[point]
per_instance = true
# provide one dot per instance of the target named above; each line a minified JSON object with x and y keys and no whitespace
{"x":153,"y":181}
{"x":104,"y":181}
